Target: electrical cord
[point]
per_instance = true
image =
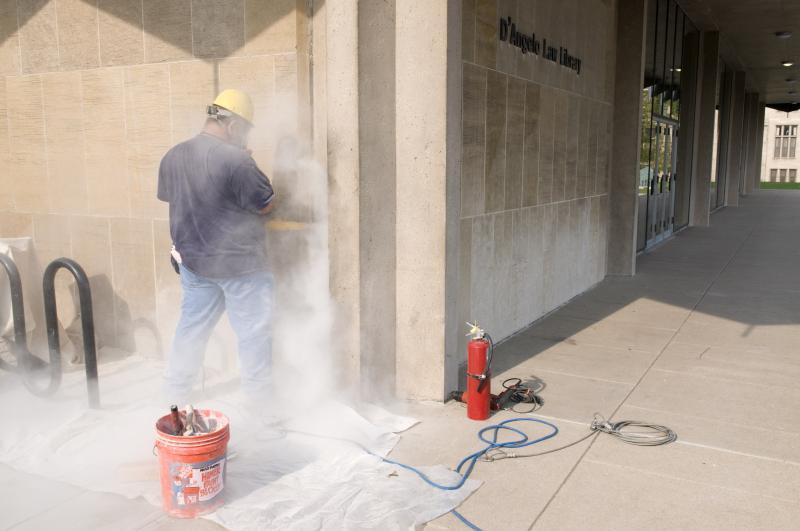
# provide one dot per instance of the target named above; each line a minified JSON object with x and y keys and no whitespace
{"x":521,"y":393}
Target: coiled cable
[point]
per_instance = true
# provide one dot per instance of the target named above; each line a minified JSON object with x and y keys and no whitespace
{"x":650,"y":435}
{"x":521,"y":393}
{"x":647,"y":434}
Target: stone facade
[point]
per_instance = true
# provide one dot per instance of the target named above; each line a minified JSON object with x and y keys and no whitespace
{"x":783,"y":168}
{"x":536,"y":144}
{"x":93,"y":93}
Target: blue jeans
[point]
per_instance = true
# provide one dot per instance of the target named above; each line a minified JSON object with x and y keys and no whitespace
{"x":248,"y":299}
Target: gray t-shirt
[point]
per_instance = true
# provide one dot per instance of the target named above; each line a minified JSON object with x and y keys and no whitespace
{"x":215,"y":190}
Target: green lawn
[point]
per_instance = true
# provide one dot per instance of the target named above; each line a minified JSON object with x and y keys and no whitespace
{"x":780,"y":186}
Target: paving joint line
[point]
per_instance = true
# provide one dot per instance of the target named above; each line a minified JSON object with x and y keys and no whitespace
{"x":725,"y":379}
{"x":771,"y":429}
{"x":687,"y":480}
{"x":585,"y":377}
{"x":647,"y":371}
{"x":744,"y":454}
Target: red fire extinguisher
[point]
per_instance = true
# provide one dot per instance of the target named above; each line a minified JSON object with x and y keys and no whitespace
{"x":479,"y":364}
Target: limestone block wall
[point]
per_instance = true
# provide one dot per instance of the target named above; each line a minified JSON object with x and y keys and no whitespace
{"x":92,"y":94}
{"x":534,"y":178}
{"x":772,"y":119}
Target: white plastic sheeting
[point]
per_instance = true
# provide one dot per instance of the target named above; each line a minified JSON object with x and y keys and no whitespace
{"x":293,"y":482}
{"x":20,"y":250}
{"x":22,"y":253}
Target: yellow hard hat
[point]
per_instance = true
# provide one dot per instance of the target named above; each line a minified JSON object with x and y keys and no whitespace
{"x":236,"y":102}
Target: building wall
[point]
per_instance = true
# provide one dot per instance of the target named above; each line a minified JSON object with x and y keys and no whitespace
{"x":92,"y":95}
{"x":772,"y":119}
{"x":534,"y":179}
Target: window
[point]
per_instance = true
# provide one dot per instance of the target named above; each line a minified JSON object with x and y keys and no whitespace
{"x":783,"y":175}
{"x":785,"y":142}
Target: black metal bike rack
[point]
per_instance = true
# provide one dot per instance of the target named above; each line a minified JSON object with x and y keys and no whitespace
{"x":28,"y":364}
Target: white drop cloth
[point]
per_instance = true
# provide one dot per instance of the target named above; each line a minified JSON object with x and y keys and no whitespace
{"x":20,"y":250}
{"x":297,"y":482}
{"x":23,"y":253}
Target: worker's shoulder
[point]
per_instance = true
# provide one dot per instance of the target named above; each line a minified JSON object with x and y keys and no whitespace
{"x":229,"y":152}
{"x":190,"y":145}
{"x":212,"y":152}
{"x":226,"y":154}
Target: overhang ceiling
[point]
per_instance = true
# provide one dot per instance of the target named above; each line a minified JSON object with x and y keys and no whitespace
{"x":748,"y":42}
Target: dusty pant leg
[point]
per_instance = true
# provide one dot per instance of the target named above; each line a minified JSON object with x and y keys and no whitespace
{"x":249,"y":301}
{"x":202,"y":305}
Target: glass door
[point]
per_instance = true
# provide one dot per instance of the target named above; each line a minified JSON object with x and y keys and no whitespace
{"x":662,"y":93}
{"x":661,"y":186}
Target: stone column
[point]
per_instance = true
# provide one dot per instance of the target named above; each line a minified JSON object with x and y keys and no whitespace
{"x":708,"y":80}
{"x":752,"y":146}
{"x":735,"y":167}
{"x":747,"y":142}
{"x":686,"y":138}
{"x":748,"y":139}
{"x":342,"y":150}
{"x":393,"y":158}
{"x":756,"y":147}
{"x":626,"y":142}
{"x":428,"y":40}
{"x":376,"y":195}
{"x":760,"y":151}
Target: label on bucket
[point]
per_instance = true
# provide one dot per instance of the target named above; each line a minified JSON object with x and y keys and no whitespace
{"x":196,"y":482}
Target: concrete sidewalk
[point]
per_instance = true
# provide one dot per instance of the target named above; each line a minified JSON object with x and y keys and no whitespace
{"x":704,"y":339}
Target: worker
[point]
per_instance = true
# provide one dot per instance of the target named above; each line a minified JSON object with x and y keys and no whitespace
{"x":218,"y":198}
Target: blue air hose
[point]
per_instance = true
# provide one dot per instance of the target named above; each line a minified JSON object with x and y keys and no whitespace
{"x":465,"y":521}
{"x":469,"y":461}
{"x":491,"y":444}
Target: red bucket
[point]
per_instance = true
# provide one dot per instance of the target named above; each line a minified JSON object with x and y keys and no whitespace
{"x":192,"y":468}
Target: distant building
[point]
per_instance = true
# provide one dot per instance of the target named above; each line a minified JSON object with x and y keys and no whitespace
{"x":780,"y":159}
